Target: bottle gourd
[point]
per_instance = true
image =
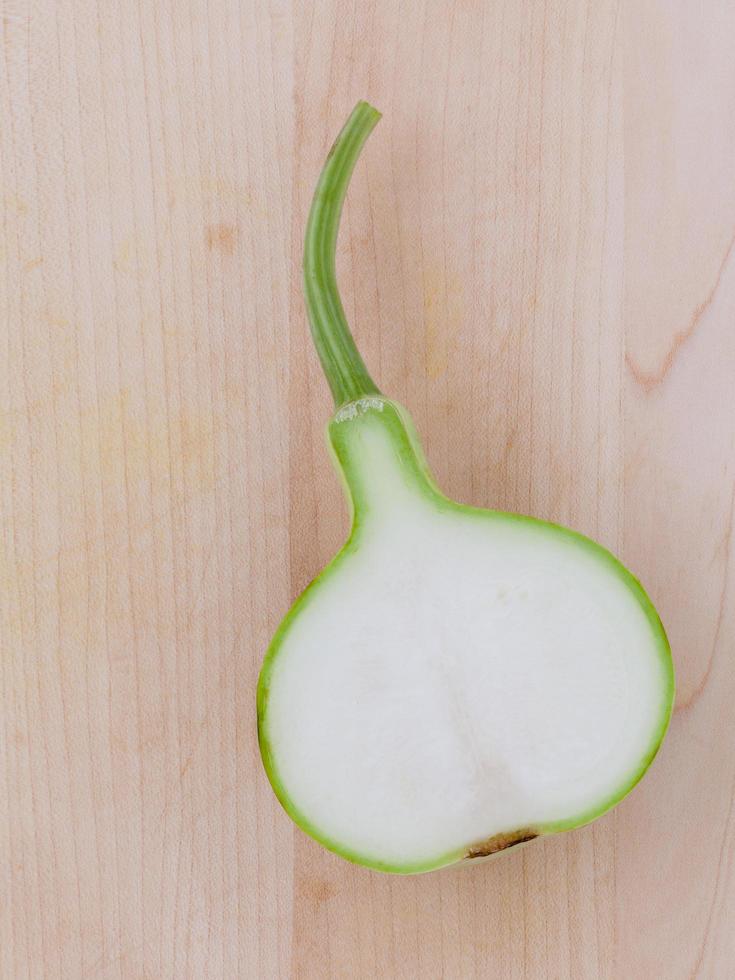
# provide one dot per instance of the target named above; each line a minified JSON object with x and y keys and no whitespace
{"x":456,"y":681}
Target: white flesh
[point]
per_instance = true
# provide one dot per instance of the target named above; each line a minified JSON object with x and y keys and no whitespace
{"x":459,"y":677}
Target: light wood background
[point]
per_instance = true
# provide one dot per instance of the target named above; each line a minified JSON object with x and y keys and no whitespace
{"x":537,"y":258}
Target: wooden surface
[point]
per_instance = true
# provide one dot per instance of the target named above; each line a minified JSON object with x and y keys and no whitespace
{"x":537,"y":258}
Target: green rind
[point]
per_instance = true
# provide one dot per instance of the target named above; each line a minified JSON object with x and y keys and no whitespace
{"x":410,"y":454}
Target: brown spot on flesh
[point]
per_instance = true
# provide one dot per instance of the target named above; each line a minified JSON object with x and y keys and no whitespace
{"x":500,"y":842}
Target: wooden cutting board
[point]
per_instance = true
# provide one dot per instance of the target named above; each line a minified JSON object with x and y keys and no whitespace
{"x":537,"y":259}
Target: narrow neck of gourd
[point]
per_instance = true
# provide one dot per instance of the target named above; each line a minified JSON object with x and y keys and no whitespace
{"x":380,"y":459}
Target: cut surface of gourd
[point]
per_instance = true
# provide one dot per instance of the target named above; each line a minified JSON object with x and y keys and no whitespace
{"x":457,"y":681}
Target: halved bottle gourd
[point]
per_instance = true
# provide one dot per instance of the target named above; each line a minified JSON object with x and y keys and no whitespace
{"x":456,"y":681}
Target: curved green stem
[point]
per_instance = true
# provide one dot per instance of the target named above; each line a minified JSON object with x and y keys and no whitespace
{"x":345,"y":370}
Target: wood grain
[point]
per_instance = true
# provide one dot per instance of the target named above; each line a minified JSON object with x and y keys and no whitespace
{"x":537,"y":257}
